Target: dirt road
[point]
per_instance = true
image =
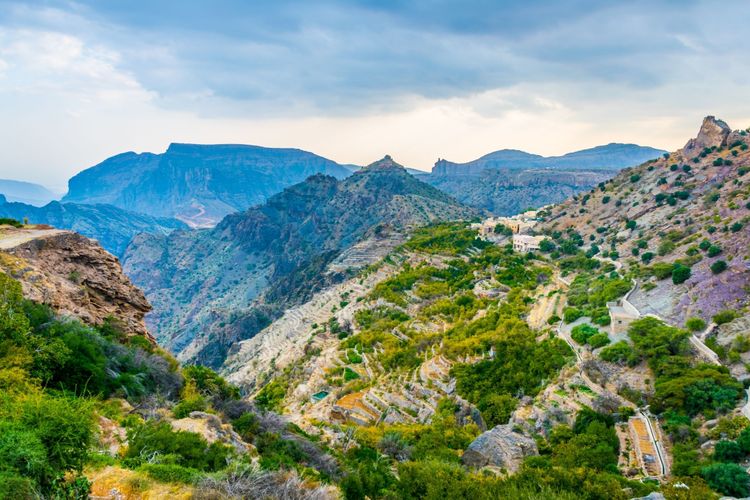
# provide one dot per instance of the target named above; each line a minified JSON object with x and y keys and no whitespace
{"x":13,"y":238}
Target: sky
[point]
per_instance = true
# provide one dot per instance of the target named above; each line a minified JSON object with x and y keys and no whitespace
{"x":355,"y":80}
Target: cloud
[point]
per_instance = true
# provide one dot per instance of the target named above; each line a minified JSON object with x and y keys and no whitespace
{"x":355,"y":79}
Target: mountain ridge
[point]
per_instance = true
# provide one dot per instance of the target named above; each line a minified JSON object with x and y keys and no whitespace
{"x":612,"y":156}
{"x":234,"y":278}
{"x":196,"y":183}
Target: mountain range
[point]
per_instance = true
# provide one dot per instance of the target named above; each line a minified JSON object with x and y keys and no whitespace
{"x":509,"y":181}
{"x":198,"y":184}
{"x":26,"y":192}
{"x":613,"y":157}
{"x":211,"y":288}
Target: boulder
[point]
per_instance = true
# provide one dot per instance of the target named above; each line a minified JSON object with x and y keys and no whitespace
{"x":499,"y":447}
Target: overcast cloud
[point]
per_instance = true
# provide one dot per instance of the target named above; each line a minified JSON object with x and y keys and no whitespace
{"x":80,"y":81}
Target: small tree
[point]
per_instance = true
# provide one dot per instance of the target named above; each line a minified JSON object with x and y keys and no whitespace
{"x":680,"y":274}
{"x":718,"y":267}
{"x":695,"y":324}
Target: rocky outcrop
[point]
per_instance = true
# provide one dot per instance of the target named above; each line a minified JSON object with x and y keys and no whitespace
{"x":211,"y":428}
{"x":499,"y":447}
{"x":736,"y":334}
{"x":713,"y":133}
{"x":74,"y":276}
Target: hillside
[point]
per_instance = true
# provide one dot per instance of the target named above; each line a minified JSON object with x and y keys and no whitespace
{"x":112,"y":227}
{"x":26,"y":192}
{"x":91,"y":408}
{"x":689,"y":208}
{"x":212,"y":288}
{"x":467,"y":366}
{"x":198,"y":184}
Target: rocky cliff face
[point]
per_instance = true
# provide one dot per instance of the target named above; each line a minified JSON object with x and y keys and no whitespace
{"x":74,"y":276}
{"x":195,"y":183}
{"x":671,"y":210}
{"x":112,"y":227}
{"x":212,"y":288}
{"x":508,"y":192}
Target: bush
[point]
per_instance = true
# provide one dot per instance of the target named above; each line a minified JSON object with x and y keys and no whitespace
{"x":582,"y":333}
{"x":5,"y":221}
{"x":680,"y":274}
{"x":714,"y":250}
{"x":724,"y":316}
{"x":635,"y":178}
{"x":620,"y":352}
{"x":188,"y":448}
{"x":695,"y":324}
{"x":662,"y":269}
{"x":718,"y":267}
{"x":727,"y":479}
{"x":171,"y":473}
{"x":728,"y":451}
{"x":185,"y":407}
{"x":570,"y":314}
{"x":598,"y":340}
{"x":630,"y":224}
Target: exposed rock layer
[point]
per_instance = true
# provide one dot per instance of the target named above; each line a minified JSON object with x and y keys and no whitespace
{"x":76,"y":277}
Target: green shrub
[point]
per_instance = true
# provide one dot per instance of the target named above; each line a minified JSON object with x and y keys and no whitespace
{"x":185,"y":407}
{"x":725,"y":316}
{"x":582,"y":333}
{"x":714,"y":250}
{"x":247,"y":425}
{"x":620,"y":352}
{"x":728,"y":479}
{"x":718,"y":267}
{"x":171,"y":473}
{"x":5,"y":221}
{"x":570,"y":314}
{"x":680,"y":274}
{"x":728,"y":451}
{"x":188,"y":448}
{"x":695,"y":324}
{"x":598,"y":340}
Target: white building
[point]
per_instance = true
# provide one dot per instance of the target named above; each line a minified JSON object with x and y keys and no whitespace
{"x":525,"y":243}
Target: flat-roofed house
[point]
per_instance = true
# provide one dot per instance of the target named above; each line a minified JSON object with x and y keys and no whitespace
{"x":526,"y":243}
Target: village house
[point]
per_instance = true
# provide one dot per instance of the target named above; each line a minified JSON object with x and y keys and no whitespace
{"x":526,"y":243}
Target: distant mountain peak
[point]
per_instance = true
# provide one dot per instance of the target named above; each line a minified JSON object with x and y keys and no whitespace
{"x":387,"y":163}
